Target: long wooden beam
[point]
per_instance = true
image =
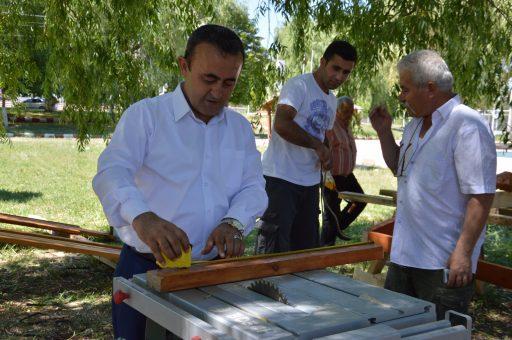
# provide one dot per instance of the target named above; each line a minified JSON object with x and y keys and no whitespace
{"x":254,"y":267}
{"x":50,"y":225}
{"x":353,"y":196}
{"x":390,"y":200}
{"x":502,"y":199}
{"x":382,"y":234}
{"x":388,"y":192}
{"x":494,"y":273}
{"x":60,"y":243}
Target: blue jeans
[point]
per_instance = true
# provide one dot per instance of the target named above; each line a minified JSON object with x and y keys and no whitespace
{"x":127,"y":322}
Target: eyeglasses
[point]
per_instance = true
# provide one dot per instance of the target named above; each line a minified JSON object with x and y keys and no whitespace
{"x":403,"y":162}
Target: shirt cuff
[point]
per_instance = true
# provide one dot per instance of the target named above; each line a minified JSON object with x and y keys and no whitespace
{"x":133,"y":208}
{"x":477,"y":189}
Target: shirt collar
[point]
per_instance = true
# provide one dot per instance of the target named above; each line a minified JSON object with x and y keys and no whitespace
{"x":181,"y":107}
{"x":445,"y":109}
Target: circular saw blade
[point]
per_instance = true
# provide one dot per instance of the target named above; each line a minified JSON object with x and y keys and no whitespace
{"x":268,"y":289}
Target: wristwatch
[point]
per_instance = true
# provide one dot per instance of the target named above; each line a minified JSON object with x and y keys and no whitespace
{"x":235,"y":224}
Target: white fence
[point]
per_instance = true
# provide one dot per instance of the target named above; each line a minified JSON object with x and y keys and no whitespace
{"x":492,"y":117}
{"x":497,"y":124}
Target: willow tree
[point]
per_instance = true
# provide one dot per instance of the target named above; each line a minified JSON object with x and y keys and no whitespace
{"x":474,"y":37}
{"x":104,"y":55}
{"x":101,"y":56}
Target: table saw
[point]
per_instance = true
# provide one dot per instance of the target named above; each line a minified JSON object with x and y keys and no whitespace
{"x":305,"y":305}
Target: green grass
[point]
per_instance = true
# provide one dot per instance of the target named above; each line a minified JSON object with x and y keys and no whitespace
{"x":49,"y":294}
{"x":49,"y":178}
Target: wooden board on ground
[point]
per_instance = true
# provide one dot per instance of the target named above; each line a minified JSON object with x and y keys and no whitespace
{"x":225,"y":271}
{"x":60,"y":243}
{"x":54,"y":226}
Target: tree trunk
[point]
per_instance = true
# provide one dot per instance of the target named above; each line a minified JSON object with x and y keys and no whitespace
{"x":4,"y":110}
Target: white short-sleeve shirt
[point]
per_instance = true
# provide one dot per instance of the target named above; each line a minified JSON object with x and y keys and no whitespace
{"x":315,"y":114}
{"x":455,"y":158}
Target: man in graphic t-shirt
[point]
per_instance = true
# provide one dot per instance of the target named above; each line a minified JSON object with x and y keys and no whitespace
{"x":296,"y":152}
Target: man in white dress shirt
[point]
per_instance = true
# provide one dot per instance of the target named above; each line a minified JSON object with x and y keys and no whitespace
{"x":182,"y":169}
{"x":446,"y":171}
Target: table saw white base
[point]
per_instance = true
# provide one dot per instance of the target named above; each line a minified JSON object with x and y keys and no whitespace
{"x":321,"y":304}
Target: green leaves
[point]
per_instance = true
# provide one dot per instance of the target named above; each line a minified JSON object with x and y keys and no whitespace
{"x":102,"y":56}
{"x":473,"y":37}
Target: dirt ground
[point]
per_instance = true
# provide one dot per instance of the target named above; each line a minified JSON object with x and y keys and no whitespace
{"x":48,"y":294}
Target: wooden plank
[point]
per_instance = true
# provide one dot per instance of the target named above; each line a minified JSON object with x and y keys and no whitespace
{"x":494,"y":273}
{"x":388,"y":192}
{"x":486,"y":271}
{"x":59,"y":238}
{"x":356,"y":197}
{"x":499,"y":219}
{"x":502,"y":199}
{"x":111,"y":263}
{"x":59,"y":243}
{"x":50,"y":225}
{"x":255,"y":267}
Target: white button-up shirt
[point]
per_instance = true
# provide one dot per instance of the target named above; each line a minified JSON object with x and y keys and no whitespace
{"x":455,"y":158}
{"x":163,"y":159}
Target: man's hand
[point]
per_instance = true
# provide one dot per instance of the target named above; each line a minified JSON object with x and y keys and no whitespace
{"x":459,"y":264}
{"x":324,"y":156}
{"x":381,"y":119}
{"x":161,"y":236}
{"x":228,"y":241}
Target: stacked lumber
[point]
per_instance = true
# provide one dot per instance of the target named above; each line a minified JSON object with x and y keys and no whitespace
{"x":70,"y":237}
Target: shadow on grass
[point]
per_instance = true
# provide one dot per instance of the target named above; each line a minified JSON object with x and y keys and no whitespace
{"x":18,"y":196}
{"x":48,"y":294}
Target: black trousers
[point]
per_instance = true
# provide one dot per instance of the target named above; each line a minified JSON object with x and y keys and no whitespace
{"x":332,"y":215}
{"x":291,"y":219}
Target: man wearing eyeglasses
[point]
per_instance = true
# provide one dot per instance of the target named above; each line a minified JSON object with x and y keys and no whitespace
{"x":446,"y":171}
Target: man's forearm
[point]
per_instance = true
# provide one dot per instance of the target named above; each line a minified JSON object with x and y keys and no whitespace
{"x":477,"y":211}
{"x":293,"y":133}
{"x":390,"y":151}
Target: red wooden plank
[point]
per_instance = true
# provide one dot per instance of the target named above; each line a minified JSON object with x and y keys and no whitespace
{"x":494,"y":273}
{"x":218,"y":272}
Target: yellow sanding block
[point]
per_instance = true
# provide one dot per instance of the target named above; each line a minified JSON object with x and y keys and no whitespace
{"x":184,"y":261}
